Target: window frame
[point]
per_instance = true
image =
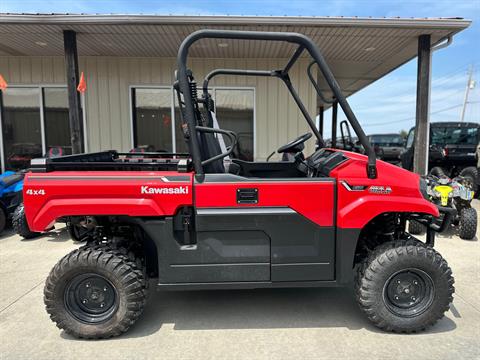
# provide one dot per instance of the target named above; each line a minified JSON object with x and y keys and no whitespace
{"x":41,"y":100}
{"x":133,"y":120}
{"x":174,"y":123}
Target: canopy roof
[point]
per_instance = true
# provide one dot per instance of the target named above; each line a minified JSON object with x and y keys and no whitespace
{"x":359,"y":50}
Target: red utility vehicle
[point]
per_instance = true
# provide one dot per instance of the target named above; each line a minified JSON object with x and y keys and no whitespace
{"x":191,"y":222}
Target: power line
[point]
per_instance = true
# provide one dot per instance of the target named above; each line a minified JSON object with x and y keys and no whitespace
{"x":413,"y":118}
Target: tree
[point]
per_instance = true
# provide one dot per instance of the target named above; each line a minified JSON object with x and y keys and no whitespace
{"x":403,"y":133}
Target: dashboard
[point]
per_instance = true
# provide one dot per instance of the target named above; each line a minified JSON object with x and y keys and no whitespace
{"x":323,"y":161}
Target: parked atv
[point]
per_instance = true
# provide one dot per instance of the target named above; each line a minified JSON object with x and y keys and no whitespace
{"x":456,"y":194}
{"x":11,"y":185}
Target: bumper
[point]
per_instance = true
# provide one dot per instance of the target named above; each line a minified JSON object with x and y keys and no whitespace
{"x":438,"y":225}
{"x":434,"y":227}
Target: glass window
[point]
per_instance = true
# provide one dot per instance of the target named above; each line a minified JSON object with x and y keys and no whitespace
{"x":235,"y":112}
{"x":22,"y":138}
{"x":57,"y":126}
{"x":152,"y":111}
{"x":410,"y":137}
{"x":386,"y":140}
{"x":452,"y":135}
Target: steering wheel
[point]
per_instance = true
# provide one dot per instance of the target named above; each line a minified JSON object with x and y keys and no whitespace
{"x":296,"y":145}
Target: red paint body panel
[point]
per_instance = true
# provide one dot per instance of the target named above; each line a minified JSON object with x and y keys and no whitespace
{"x":312,"y":199}
{"x":68,"y":193}
{"x":356,"y":208}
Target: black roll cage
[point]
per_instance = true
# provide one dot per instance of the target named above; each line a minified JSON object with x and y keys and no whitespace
{"x":189,"y":109}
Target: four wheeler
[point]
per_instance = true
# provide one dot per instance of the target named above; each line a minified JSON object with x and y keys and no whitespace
{"x":452,"y":150}
{"x":187,"y":222}
{"x":11,"y":185}
{"x":457,"y":195}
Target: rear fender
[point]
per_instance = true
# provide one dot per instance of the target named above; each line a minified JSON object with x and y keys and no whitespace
{"x":58,"y":208}
{"x":50,"y":196}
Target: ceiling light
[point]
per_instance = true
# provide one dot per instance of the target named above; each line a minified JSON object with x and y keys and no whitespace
{"x":223,"y":45}
{"x":41,"y":43}
{"x":370,"y":48}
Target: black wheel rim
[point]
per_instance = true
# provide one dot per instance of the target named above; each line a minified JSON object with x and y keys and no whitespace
{"x":91,"y":298}
{"x":409,"y":292}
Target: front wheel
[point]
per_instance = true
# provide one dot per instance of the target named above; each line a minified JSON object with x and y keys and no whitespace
{"x":468,"y":223}
{"x":95,"y":293}
{"x":404,"y":286}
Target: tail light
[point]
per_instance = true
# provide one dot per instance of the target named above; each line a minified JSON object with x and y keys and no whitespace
{"x":445,"y":151}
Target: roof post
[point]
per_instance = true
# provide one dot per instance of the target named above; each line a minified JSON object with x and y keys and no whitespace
{"x":422,"y":116}
{"x":321,"y":111}
{"x":334,"y":124}
{"x":74,"y":103}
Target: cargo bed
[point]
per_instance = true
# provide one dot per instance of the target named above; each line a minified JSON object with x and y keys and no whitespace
{"x":114,"y":161}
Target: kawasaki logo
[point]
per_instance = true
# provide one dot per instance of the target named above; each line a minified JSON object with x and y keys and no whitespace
{"x":164,"y":191}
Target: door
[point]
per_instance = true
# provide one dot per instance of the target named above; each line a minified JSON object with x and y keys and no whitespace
{"x":265,"y":229}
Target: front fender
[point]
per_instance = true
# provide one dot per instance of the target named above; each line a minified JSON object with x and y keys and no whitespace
{"x":359,"y":212}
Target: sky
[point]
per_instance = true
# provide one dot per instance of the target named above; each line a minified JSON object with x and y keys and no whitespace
{"x":388,"y":105}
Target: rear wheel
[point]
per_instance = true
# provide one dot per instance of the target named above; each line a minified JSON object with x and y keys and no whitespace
{"x":404,"y":286}
{"x":95,"y":292}
{"x":415,"y":228}
{"x":20,"y":224}
{"x":468,"y":223}
{"x":471,"y":176}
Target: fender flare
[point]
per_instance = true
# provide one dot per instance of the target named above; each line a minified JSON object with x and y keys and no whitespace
{"x":57,"y":208}
{"x":360,"y":212}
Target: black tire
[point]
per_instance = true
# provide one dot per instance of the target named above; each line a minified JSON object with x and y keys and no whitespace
{"x":3,"y":220}
{"x":415,"y":228}
{"x":471,"y":174}
{"x":80,"y":312}
{"x":437,"y":171}
{"x":386,"y":301}
{"x":78,"y":233}
{"x":467,"y":227}
{"x":20,"y":224}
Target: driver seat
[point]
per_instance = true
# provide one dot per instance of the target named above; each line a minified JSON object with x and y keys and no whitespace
{"x":210,"y":147}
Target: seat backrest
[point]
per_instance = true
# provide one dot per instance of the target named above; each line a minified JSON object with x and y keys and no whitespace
{"x":210,"y":147}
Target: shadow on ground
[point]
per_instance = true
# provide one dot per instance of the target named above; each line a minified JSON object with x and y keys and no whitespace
{"x":55,"y":235}
{"x":256,"y":309}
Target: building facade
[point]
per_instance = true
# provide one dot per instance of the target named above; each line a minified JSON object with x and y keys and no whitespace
{"x":129,"y":65}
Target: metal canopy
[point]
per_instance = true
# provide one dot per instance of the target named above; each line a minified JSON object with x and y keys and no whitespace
{"x":358,"y":50}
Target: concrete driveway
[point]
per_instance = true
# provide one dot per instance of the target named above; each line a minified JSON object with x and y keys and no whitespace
{"x":253,"y":324}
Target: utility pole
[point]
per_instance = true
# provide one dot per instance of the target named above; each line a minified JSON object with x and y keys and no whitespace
{"x":470,"y":85}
